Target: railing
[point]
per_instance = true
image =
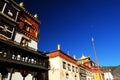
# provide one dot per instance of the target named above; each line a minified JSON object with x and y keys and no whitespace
{"x":22,"y":56}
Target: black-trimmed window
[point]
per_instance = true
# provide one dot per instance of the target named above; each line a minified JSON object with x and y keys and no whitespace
{"x":1,"y":5}
{"x":75,"y":77}
{"x":76,"y":70}
{"x":26,"y":27}
{"x":67,"y":75}
{"x":6,"y":30}
{"x":24,"y":42}
{"x":69,"y":67}
{"x":64,"y":65}
{"x":73,"y":69}
{"x":10,"y":11}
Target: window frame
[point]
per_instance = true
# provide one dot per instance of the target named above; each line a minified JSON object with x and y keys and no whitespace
{"x":69,"y":67}
{"x":64,"y":65}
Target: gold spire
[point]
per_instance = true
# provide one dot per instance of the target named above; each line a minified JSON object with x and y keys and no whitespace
{"x":36,"y":16}
{"x":83,"y":56}
{"x":21,"y":4}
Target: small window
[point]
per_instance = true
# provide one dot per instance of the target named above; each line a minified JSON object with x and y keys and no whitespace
{"x":76,"y":70}
{"x":36,"y":34}
{"x":1,"y":5}
{"x":75,"y":77}
{"x":67,"y":75}
{"x":69,"y":67}
{"x":64,"y":65}
{"x":28,"y":28}
{"x":24,"y":42}
{"x":73,"y":68}
{"x":10,"y":11}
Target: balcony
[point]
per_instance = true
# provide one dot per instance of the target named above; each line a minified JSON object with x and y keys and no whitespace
{"x":14,"y":55}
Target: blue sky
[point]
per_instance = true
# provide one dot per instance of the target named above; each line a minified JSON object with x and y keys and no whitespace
{"x":72,"y":24}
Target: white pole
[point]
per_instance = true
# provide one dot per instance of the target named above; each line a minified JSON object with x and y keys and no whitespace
{"x":94,"y":51}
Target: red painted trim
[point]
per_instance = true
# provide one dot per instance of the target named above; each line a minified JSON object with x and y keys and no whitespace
{"x":62,"y":55}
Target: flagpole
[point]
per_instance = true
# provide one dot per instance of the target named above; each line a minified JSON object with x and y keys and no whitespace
{"x":93,"y":45}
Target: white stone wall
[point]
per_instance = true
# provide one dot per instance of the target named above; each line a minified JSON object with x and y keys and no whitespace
{"x":108,"y":76}
{"x":57,"y":72}
{"x":18,"y":37}
{"x":33,"y":44}
{"x":15,"y":76}
{"x":18,"y":76}
{"x":29,"y":77}
{"x":71,"y":74}
{"x":54,"y":72}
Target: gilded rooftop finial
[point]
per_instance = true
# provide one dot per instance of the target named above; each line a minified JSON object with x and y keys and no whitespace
{"x":83,"y":56}
{"x":36,"y":16}
{"x":21,"y":4}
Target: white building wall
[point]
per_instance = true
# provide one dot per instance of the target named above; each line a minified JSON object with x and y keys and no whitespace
{"x":18,"y":37}
{"x":71,"y":74}
{"x":57,"y":72}
{"x":54,"y":72}
{"x":29,"y":77}
{"x":33,"y":44}
{"x":108,"y":76}
{"x":17,"y":76}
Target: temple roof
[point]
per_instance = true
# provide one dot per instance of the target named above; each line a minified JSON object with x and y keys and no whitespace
{"x":21,"y":7}
{"x":84,"y":57}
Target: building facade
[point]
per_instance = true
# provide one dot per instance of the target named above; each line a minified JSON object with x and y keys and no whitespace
{"x":108,"y":76}
{"x":62,"y":66}
{"x":97,"y":73}
{"x":85,"y":65}
{"x":19,"y":55}
{"x":93,"y":72}
{"x":111,"y":72}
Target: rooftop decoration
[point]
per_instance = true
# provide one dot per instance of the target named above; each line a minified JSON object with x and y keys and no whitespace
{"x":36,"y":16}
{"x":58,"y":47}
{"x":83,"y":57}
{"x":21,"y":4}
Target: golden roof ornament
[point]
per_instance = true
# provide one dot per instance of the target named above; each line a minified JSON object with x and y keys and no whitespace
{"x":83,"y":57}
{"x":36,"y":16}
{"x":21,"y":4}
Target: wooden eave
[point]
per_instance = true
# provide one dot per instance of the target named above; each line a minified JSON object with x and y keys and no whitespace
{"x":25,"y":11}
